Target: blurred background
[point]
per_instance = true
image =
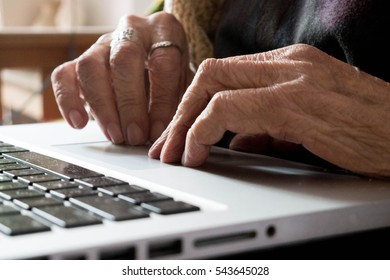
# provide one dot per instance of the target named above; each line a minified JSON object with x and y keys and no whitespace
{"x":36,"y":36}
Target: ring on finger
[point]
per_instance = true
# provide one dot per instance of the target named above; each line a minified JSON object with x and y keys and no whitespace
{"x":164,"y":44}
{"x":123,"y":35}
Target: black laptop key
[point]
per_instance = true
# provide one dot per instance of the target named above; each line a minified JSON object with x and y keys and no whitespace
{"x":7,"y":210}
{"x":4,"y":178}
{"x":138,"y":198}
{"x":10,"y":149}
{"x":96,"y":182}
{"x":122,"y":189}
{"x":19,"y":224}
{"x":20,"y":193}
{"x":13,"y":166}
{"x":73,"y":192}
{"x":109,"y":208}
{"x":167,"y":207}
{"x":66,"y":217}
{"x":30,"y":179}
{"x":12,"y":186}
{"x":28,"y":203}
{"x":6,"y":161}
{"x":55,"y":185}
{"x":52,"y":165}
{"x":23,"y":172}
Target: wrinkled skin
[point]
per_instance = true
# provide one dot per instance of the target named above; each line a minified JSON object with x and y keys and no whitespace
{"x":132,"y":105}
{"x":279,"y":100}
{"x":296,"y":95}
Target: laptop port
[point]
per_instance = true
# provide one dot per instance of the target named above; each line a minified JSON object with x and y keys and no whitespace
{"x":228,"y":238}
{"x":127,"y":253}
{"x":270,"y":231}
{"x":165,"y":248}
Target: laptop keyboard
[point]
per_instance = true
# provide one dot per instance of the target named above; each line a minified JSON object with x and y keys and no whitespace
{"x":38,"y":192}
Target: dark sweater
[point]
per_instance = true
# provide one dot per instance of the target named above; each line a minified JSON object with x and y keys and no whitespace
{"x":355,"y":31}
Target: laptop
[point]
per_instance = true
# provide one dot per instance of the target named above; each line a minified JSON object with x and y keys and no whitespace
{"x":71,"y":194}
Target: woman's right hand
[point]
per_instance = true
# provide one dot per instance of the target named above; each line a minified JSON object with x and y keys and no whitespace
{"x":132,"y":87}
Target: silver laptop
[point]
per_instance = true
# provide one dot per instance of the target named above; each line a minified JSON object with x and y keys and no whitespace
{"x":70,"y":194}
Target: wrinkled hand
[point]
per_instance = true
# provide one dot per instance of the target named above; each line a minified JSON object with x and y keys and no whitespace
{"x":297,"y":95}
{"x":131,"y":104}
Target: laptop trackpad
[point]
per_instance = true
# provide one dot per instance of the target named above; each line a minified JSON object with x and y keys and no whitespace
{"x":106,"y":154}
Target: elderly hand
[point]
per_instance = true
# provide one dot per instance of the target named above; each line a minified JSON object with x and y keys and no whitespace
{"x":296,"y":94}
{"x":131,"y":104}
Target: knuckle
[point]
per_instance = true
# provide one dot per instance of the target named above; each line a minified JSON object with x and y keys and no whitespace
{"x":304,"y":47}
{"x":130,"y":20}
{"x":211,"y":74}
{"x":104,"y":38}
{"x":87,"y":76}
{"x":60,"y":93}
{"x":58,"y":73}
{"x":219,"y":102}
{"x":122,"y":55}
{"x":207,"y":67}
{"x":303,"y":51}
{"x":62,"y":97}
{"x":128,"y":103}
{"x":95,"y":102}
{"x":163,"y":18}
{"x":208,"y":64}
{"x":86,"y":64}
{"x":163,"y":62}
{"x":86,"y":70}
{"x":168,"y":27}
{"x":60,"y":88}
{"x":163,"y":104}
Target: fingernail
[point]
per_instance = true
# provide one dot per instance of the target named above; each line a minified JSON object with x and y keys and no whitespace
{"x":115,"y":134}
{"x":134,"y":134}
{"x":75,"y":118}
{"x":156,"y":131}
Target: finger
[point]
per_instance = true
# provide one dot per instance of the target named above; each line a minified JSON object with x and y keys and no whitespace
{"x":210,"y":79}
{"x":165,"y":88}
{"x":168,"y":69}
{"x":168,"y":73}
{"x":250,"y":111}
{"x":127,"y":63}
{"x":67,"y":94}
{"x":170,"y":146}
{"x":95,"y":83}
{"x":208,"y":128}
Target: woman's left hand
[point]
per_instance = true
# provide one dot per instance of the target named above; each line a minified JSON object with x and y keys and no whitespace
{"x":297,"y":95}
